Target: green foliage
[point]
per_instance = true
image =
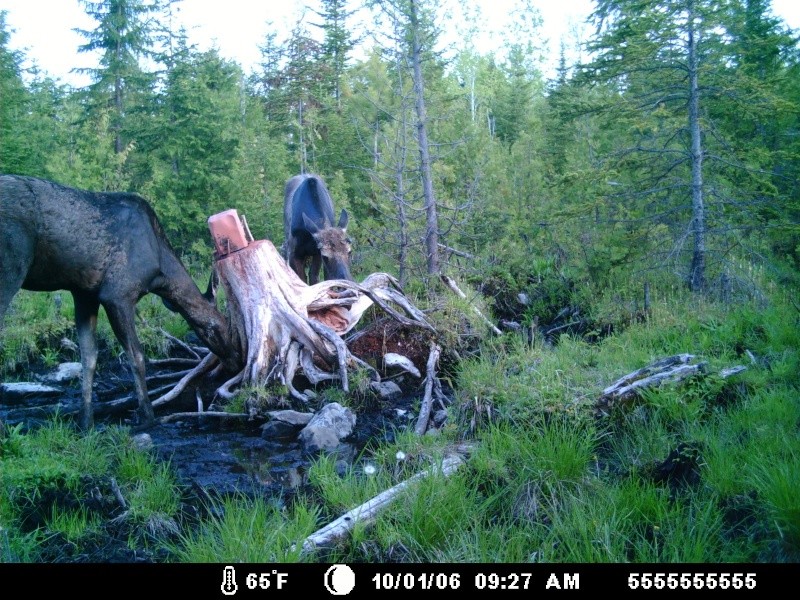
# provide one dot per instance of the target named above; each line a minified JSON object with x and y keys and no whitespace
{"x":574,"y":196}
{"x":34,"y":327}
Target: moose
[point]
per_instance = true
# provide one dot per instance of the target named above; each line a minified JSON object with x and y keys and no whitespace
{"x":108,"y":249}
{"x":309,"y":232}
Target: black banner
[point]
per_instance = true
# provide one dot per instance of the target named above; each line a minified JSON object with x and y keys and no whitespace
{"x":201,"y":581}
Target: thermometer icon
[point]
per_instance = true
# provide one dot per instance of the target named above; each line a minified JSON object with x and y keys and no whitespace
{"x":229,"y":586}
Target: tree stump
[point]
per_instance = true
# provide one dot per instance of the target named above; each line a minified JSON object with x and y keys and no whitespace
{"x":283,"y":325}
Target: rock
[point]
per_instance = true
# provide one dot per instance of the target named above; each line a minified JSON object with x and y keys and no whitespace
{"x":278,"y":429}
{"x":392,"y":359}
{"x":439,"y":417}
{"x":285,"y":423}
{"x":291,"y":417}
{"x":316,"y":439}
{"x":386,"y":390}
{"x":142,"y":441}
{"x":64,"y":372}
{"x":327,"y":428}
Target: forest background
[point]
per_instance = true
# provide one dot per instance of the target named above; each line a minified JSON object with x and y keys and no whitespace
{"x":660,"y":170}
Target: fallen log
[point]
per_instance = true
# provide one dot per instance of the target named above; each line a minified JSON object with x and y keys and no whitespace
{"x":367,"y":512}
{"x":670,"y":370}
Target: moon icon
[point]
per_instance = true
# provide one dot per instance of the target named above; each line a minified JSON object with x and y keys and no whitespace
{"x":340,"y":580}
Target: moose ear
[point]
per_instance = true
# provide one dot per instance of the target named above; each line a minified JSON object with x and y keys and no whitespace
{"x":343,"y":220}
{"x":310,"y":225}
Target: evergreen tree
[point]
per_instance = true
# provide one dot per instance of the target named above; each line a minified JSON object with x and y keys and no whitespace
{"x":667,"y":64}
{"x":17,"y":153}
{"x":123,"y":36}
{"x":338,"y":42}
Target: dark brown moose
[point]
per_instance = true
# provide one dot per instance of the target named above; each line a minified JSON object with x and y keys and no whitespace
{"x":310,"y":234}
{"x":107,"y":249}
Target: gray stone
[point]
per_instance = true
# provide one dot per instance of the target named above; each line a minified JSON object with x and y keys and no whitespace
{"x":291,"y":417}
{"x":386,"y":390}
{"x":278,"y":429}
{"x":142,"y":441}
{"x":64,"y":372}
{"x":327,"y":428}
{"x":439,"y":417}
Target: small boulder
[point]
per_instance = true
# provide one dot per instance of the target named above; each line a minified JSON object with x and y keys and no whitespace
{"x":327,"y":428}
{"x":64,"y":372}
{"x":386,"y":390}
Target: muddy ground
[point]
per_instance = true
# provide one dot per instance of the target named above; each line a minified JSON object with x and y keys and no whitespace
{"x":211,"y":457}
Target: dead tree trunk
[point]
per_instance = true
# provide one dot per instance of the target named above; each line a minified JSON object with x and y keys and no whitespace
{"x":282,"y":325}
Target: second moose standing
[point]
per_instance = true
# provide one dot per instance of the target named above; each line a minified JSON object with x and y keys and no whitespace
{"x":309,"y":232}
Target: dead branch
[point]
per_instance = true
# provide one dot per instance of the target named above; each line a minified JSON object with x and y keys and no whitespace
{"x":173,"y":362}
{"x":167,"y":376}
{"x":207,"y":413}
{"x":181,"y":343}
{"x":118,"y":494}
{"x":460,"y":253}
{"x":366,"y":513}
{"x":450,"y":283}
{"x":425,"y":407}
{"x":672,"y":369}
{"x":205,"y":365}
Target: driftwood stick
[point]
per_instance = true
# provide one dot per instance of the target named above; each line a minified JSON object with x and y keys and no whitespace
{"x":450,"y":283}
{"x":425,"y":407}
{"x":168,"y":376}
{"x":341,"y":349}
{"x":654,"y":367}
{"x":729,"y":371}
{"x":367,"y":512}
{"x":224,"y":391}
{"x":671,"y":375}
{"x":180,"y":343}
{"x":206,"y":364}
{"x":561,"y":327}
{"x":118,"y":494}
{"x":173,"y":362}
{"x":672,"y":369}
{"x":208,"y":413}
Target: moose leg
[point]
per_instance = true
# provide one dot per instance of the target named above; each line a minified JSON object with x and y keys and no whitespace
{"x":15,"y":260}
{"x":86,"y":308}
{"x":313,"y":272}
{"x":121,"y":316}
{"x":299,"y":266}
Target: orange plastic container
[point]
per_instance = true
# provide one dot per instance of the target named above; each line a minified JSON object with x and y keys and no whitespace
{"x":227,"y":232}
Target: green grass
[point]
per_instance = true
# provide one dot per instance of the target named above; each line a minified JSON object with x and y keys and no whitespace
{"x":546,"y":481}
{"x":245,"y":530}
{"x":48,"y":475}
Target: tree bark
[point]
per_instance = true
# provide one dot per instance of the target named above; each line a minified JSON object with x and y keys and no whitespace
{"x":431,"y":216}
{"x":697,"y":275}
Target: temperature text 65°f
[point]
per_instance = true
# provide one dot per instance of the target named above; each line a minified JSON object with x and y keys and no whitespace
{"x":266,"y":581}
